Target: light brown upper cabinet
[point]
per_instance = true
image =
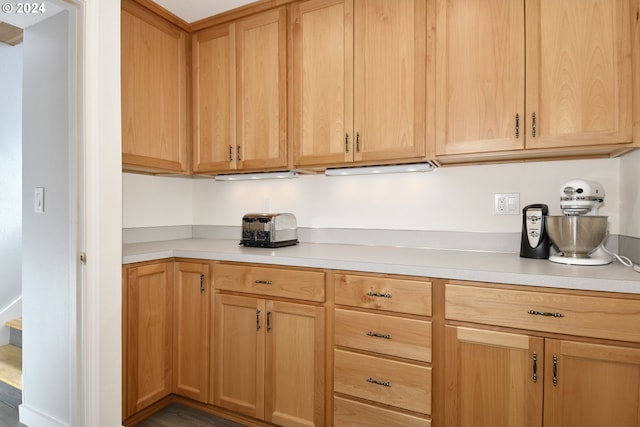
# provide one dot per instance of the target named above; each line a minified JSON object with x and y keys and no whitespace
{"x":155,"y":135}
{"x":240,"y":95}
{"x":534,"y":79}
{"x":359,"y":81}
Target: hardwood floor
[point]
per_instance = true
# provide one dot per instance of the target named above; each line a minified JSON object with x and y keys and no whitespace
{"x":172,"y":416}
{"x":9,"y":416}
{"x":177,"y":415}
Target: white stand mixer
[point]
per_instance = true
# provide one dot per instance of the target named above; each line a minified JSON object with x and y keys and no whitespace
{"x":579,"y":233}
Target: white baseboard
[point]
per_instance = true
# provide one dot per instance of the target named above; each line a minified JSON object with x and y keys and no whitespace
{"x":33,"y":417}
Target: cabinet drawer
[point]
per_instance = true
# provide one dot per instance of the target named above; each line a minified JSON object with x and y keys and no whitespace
{"x":384,"y":293}
{"x":564,"y":313}
{"x":394,"y":383}
{"x":395,"y":336}
{"x":357,"y":414}
{"x":275,"y":282}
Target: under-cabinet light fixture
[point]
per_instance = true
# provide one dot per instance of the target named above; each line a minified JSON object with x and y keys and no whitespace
{"x":371,"y":170}
{"x":257,"y":176}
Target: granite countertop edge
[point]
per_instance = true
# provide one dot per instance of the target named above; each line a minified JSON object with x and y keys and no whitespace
{"x":482,"y":266}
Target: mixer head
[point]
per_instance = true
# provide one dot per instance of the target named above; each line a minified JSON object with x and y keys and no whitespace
{"x":581,"y":197}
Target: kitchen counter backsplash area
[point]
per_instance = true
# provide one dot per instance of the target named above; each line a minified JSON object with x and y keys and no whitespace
{"x":482,"y":241}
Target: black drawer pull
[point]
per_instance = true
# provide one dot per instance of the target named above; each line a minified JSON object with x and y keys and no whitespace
{"x":377,"y":335}
{"x":545,"y":313}
{"x":378,"y":382}
{"x":263,"y":282}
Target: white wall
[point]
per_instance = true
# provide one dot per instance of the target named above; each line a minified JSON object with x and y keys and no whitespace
{"x":10,"y":179}
{"x":630,"y":194}
{"x":46,"y":236}
{"x":447,"y":199}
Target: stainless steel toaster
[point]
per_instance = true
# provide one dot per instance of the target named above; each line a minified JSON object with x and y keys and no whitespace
{"x":269,"y":230}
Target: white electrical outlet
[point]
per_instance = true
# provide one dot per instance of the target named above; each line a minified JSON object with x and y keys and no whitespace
{"x":506,"y":204}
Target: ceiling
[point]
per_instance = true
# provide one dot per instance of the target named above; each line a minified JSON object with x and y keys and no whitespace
{"x":195,"y":10}
{"x":187,"y":10}
{"x":24,"y":20}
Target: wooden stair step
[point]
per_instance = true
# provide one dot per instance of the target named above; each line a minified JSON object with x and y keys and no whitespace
{"x":11,"y":365}
{"x":14,"y":323}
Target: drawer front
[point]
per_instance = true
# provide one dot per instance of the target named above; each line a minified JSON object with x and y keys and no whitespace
{"x":394,"y":336}
{"x":357,"y":414}
{"x":275,"y":282}
{"x":564,"y":313}
{"x":384,"y":293}
{"x":399,"y":384}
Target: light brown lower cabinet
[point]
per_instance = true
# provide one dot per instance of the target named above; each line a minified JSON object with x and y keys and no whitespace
{"x":498,"y":377}
{"x":147,"y":335}
{"x":382,"y":373}
{"x":494,"y":355}
{"x":191,"y":333}
{"x":269,"y":355}
{"x":165,"y":332}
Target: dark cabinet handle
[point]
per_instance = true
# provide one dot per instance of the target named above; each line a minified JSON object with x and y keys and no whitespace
{"x":257,"y":320}
{"x":533,"y":124}
{"x":535,"y":367}
{"x":378,"y":382}
{"x":378,"y":294}
{"x":377,"y":335}
{"x":545,"y":313}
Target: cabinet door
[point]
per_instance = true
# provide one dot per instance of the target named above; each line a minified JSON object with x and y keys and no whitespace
{"x":261,"y":53}
{"x":591,"y":384}
{"x":154,"y":92}
{"x":323,"y":82}
{"x":493,"y":378}
{"x":389,"y":79}
{"x":214,"y":99}
{"x":295,"y":364}
{"x":147,"y":331}
{"x":579,"y":83}
{"x":191,"y":330}
{"x":238,"y":380}
{"x":480,"y":76}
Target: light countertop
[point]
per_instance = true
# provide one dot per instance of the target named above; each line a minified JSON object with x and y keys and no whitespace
{"x":497,"y":267}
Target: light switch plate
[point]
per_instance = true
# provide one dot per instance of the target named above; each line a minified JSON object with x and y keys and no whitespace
{"x":506,"y":204}
{"x":38,"y":200}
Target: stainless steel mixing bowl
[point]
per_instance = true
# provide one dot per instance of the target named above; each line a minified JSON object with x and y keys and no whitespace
{"x":577,"y":236}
